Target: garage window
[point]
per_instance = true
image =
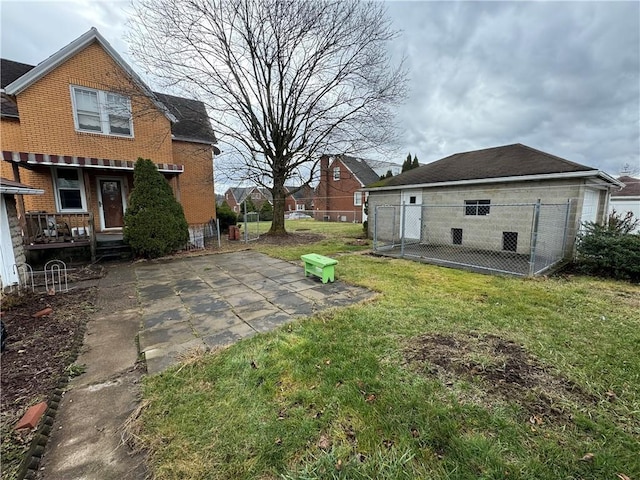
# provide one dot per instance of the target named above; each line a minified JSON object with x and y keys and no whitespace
{"x":477,"y":207}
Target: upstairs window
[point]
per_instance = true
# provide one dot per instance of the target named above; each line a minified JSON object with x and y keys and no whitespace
{"x":101,"y":112}
{"x":477,"y":207}
{"x":336,"y":173}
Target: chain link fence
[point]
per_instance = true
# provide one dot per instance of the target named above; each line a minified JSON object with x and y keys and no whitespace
{"x":517,"y":239}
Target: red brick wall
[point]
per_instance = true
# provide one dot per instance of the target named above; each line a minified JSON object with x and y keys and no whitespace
{"x":334,"y":198}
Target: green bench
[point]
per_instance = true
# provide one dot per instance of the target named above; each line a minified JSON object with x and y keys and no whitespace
{"x":319,"y":266}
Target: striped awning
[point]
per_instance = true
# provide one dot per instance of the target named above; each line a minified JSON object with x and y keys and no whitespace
{"x":83,"y":162}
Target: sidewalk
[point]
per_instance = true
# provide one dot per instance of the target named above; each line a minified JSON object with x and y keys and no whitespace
{"x":202,"y":301}
{"x":86,"y":440}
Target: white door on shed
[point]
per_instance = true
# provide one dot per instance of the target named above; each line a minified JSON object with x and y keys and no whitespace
{"x":589,"y":206}
{"x":411,"y":214}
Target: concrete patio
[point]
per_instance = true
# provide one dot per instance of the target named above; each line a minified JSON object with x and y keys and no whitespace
{"x":215,"y":300}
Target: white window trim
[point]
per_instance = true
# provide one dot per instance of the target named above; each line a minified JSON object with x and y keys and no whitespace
{"x":104,"y":115}
{"x":83,"y":198}
{"x":300,"y":207}
{"x":336,"y":173}
{"x":357,"y":199}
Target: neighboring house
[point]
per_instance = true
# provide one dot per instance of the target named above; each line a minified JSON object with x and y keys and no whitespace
{"x":235,"y":196}
{"x":338,"y":196}
{"x":627,"y":199}
{"x":75,"y":124}
{"x":11,"y":247}
{"x":301,"y":200}
{"x":485,"y":200}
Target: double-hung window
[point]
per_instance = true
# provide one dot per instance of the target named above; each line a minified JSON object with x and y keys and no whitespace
{"x":336,"y":173}
{"x":69,"y":190}
{"x":477,"y":207}
{"x":101,"y":112}
{"x":357,"y":199}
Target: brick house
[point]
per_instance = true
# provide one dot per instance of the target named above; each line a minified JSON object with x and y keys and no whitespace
{"x":74,"y":125}
{"x":338,"y":196}
{"x":301,"y":200}
{"x":235,"y":196}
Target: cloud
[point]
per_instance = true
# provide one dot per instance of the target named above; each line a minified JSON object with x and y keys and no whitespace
{"x":562,"y":77}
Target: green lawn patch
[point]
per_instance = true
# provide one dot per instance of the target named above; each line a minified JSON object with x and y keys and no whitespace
{"x":446,"y":375}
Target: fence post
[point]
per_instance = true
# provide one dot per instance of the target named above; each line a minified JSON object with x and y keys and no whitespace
{"x":566,"y":227}
{"x":534,"y":237}
{"x":246,"y":225}
{"x":375,"y":228}
{"x":94,"y":237}
{"x":403,"y":222}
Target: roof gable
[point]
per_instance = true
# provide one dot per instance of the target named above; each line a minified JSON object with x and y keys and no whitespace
{"x":359,"y":168}
{"x":515,"y":160}
{"x":36,"y":73}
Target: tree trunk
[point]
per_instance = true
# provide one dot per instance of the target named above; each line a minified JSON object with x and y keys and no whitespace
{"x":278,"y":193}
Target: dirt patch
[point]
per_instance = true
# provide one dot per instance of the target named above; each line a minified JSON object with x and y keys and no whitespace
{"x":39,"y":354}
{"x":503,"y":369}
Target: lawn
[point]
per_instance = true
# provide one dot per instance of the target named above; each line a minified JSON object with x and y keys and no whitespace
{"x":446,"y":375}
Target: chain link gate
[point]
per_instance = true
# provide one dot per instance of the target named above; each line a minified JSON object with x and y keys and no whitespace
{"x":517,"y":239}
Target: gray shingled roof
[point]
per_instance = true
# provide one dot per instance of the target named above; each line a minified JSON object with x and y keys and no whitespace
{"x":497,"y":162}
{"x":631,"y":187}
{"x":360,"y":168}
{"x":193,"y":121}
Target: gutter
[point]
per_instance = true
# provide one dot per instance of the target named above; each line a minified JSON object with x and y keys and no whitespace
{"x":520,"y":178}
{"x":6,"y":190}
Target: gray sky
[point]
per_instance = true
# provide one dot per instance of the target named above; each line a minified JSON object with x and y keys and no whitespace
{"x":563,"y":77}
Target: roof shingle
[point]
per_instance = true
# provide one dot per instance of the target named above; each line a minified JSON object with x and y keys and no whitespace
{"x":497,"y":162}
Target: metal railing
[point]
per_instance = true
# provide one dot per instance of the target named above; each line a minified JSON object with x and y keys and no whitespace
{"x":518,"y":239}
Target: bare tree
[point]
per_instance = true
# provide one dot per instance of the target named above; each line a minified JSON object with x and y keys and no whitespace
{"x":284,"y":80}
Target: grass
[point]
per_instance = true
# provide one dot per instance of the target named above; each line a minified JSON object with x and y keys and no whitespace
{"x":339,"y":396}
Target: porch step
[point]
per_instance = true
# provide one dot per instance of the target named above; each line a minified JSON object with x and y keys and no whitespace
{"x":112,"y":250}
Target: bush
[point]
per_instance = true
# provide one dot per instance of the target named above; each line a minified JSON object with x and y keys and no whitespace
{"x":610,"y":250}
{"x":154,"y":223}
{"x":266,"y":212}
{"x":226,"y":216}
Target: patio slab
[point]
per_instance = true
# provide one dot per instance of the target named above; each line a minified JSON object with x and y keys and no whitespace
{"x":211,"y":301}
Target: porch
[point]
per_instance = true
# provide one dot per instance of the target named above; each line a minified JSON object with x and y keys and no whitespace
{"x":44,"y":230}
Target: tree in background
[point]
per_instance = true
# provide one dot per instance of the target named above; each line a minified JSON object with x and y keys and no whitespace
{"x":284,"y":81}
{"x":406,"y":165}
{"x":409,"y":164}
{"x":266,"y":212}
{"x":154,"y":223}
{"x":389,"y":174}
{"x":226,"y":216}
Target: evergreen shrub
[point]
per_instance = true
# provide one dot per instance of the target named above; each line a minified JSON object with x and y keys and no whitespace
{"x":154,"y":223}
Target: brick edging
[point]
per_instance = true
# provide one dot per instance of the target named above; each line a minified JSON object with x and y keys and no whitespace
{"x":28,"y":469}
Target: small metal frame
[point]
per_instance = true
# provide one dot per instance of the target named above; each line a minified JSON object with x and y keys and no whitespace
{"x":54,"y":271}
{"x":25,"y":276}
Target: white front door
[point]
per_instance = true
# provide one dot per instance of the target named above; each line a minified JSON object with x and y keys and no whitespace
{"x":411,"y":220}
